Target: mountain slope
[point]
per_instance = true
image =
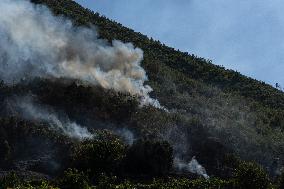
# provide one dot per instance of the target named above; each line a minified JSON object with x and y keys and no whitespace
{"x":194,"y":85}
{"x":214,"y":114}
{"x":191,"y":65}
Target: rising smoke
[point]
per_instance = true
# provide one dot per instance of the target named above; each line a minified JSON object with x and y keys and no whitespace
{"x":126,"y":135}
{"x":34,"y":43}
{"x":28,"y":109}
{"x":193,"y":166}
{"x":181,"y":145}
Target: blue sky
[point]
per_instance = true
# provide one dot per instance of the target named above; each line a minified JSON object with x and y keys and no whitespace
{"x":242,"y":35}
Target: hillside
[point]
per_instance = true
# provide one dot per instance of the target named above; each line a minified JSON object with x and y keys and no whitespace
{"x":233,"y":125}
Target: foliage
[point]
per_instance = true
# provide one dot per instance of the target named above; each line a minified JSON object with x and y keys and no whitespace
{"x":13,"y":181}
{"x":170,"y":183}
{"x":24,"y":139}
{"x":149,"y":158}
{"x":224,"y":100}
{"x":10,"y":181}
{"x":73,"y":179}
{"x":98,"y":155}
{"x":281,"y":182}
{"x":215,"y":114}
{"x":79,"y":99}
{"x":195,"y":184}
{"x":250,"y":175}
{"x":42,"y":185}
{"x":5,"y":151}
{"x":155,"y":52}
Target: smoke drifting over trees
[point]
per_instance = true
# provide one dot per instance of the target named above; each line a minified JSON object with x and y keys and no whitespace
{"x":72,"y":99}
{"x":32,"y":111}
{"x":34,"y":43}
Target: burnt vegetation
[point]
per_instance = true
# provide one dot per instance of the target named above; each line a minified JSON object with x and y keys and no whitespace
{"x":233,"y":124}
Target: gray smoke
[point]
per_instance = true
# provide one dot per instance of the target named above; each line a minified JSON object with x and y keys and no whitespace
{"x":31,"y":111}
{"x":34,"y":43}
{"x":181,"y":148}
{"x":193,"y":166}
{"x":126,"y":135}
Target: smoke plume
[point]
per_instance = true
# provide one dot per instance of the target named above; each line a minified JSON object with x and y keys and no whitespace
{"x":31,"y":111}
{"x":34,"y":43}
{"x":126,"y":135}
{"x":193,"y":166}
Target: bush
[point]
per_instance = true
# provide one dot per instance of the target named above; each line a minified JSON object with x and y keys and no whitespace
{"x":41,"y":185}
{"x":281,"y":184}
{"x":73,"y":179}
{"x":181,"y":183}
{"x":10,"y":181}
{"x":249,"y":175}
{"x":5,"y":153}
{"x":102,"y":155}
{"x":149,"y":157}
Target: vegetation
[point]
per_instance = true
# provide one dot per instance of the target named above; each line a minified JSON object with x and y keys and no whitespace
{"x":73,"y":179}
{"x":225,"y":119}
{"x":250,"y":175}
{"x":99,"y":156}
{"x":149,"y":158}
{"x":281,"y":183}
{"x":223,"y":100}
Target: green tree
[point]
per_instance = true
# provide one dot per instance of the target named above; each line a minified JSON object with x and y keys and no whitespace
{"x":102,"y":155}
{"x":250,"y":175}
{"x":10,"y":180}
{"x":74,"y":179}
{"x":149,"y":157}
{"x":281,"y":183}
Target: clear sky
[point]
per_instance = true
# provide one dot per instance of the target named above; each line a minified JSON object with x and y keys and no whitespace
{"x":243,"y":35}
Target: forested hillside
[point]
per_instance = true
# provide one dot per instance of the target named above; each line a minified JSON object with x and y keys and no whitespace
{"x":230,"y":124}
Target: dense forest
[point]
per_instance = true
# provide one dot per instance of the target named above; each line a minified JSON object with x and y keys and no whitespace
{"x":216,"y":129}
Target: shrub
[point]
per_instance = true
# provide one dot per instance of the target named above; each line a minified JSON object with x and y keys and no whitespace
{"x":281,"y":184}
{"x":5,"y":153}
{"x":41,"y":185}
{"x":149,"y":157}
{"x":106,"y":182}
{"x":10,"y":181}
{"x":184,"y":183}
{"x":73,"y":179}
{"x":249,"y":175}
{"x":102,"y":155}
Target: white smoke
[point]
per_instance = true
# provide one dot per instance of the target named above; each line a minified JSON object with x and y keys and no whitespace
{"x":126,"y":135}
{"x":193,"y":166}
{"x":29,"y":110}
{"x":34,"y":43}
